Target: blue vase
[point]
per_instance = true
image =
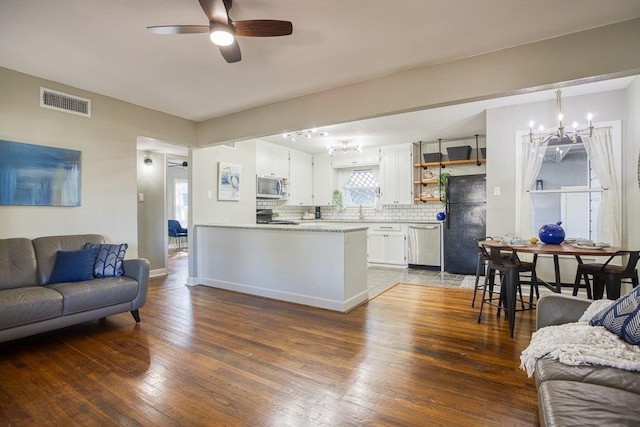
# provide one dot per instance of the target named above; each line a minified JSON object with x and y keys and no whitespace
{"x":551,"y":234}
{"x":440,"y":216}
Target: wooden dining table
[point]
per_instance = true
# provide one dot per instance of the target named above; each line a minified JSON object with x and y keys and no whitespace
{"x":511,"y":280}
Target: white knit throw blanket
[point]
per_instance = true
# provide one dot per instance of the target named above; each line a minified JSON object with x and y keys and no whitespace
{"x":579,"y":344}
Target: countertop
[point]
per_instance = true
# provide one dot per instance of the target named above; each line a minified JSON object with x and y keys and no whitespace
{"x":364,"y":221}
{"x":310,"y":226}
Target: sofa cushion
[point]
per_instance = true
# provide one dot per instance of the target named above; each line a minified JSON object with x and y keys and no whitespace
{"x":17,"y":263}
{"x":28,"y":304}
{"x":572,"y":403}
{"x":549,"y":369}
{"x":46,"y":249}
{"x":96,"y":293}
{"x":109,"y":261}
{"x":622,"y":318}
{"x":74,"y":266}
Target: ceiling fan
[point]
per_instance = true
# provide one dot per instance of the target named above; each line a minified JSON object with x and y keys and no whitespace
{"x":223,"y":30}
{"x":177,"y":163}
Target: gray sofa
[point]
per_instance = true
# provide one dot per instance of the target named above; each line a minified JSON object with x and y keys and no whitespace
{"x":582,"y":395}
{"x":29,"y":306}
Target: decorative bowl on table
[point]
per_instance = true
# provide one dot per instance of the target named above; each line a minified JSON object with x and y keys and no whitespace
{"x":552,"y":234}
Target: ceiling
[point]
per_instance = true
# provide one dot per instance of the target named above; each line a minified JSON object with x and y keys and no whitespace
{"x":455,"y":121}
{"x":104,"y":46}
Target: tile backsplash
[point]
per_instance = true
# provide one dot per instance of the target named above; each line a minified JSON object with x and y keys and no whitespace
{"x":403,"y":213}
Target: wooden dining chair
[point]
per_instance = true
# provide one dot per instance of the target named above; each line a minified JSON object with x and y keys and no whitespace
{"x":509,"y":268}
{"x":607,"y":275}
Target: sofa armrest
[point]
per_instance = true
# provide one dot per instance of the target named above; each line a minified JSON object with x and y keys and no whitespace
{"x":556,"y":309}
{"x":138,"y":269}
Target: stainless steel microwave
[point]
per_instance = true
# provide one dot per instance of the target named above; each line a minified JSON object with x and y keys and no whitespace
{"x":271,"y":187}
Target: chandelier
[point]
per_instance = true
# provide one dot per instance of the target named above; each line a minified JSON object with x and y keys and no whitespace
{"x":560,"y":133}
{"x":345,"y":147}
{"x":307,"y":133}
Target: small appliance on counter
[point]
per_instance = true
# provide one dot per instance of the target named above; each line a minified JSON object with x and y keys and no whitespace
{"x":318,"y":214}
{"x":265,"y":216}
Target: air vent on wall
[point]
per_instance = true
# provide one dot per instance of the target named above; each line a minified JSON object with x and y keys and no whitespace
{"x":231,"y":145}
{"x":61,"y":101}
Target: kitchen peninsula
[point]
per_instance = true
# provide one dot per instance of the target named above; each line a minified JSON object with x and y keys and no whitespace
{"x":320,"y":265}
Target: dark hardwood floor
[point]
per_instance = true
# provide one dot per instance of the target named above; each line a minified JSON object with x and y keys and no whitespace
{"x":414,"y":355}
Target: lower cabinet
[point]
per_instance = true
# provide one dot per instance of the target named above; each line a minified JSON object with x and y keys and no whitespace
{"x":387,"y":244}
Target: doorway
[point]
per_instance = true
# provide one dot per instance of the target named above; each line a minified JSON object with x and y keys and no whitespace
{"x":160,"y":166}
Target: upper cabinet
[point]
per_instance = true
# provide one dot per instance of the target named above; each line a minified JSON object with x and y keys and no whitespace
{"x":396,"y":174}
{"x":272,"y":159}
{"x":324,"y":180}
{"x":351,"y":159}
{"x":300,"y":179}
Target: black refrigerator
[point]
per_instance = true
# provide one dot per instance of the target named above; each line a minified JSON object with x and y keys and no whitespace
{"x":466,"y":206}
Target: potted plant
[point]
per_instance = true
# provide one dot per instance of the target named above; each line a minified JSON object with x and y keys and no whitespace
{"x":337,"y":200}
{"x":442,"y":181}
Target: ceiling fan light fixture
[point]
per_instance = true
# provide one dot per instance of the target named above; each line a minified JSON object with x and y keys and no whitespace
{"x":221,"y":34}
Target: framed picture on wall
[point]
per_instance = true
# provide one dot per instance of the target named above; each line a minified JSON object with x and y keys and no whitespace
{"x":228,"y":181}
{"x":35,"y":175}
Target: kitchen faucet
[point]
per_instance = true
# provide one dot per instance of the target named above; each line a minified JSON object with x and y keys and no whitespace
{"x":361,"y":214}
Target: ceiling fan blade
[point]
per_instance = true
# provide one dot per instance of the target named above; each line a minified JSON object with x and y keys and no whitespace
{"x":178,"y":29}
{"x":263,"y":28}
{"x":231,"y":53}
{"x":215,"y":10}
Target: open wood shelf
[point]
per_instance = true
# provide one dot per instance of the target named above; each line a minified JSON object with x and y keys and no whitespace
{"x":426,"y":199}
{"x":449,"y":162}
{"x":426,"y":181}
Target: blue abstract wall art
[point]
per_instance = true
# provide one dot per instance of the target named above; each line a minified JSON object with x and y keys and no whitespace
{"x":34,"y":175}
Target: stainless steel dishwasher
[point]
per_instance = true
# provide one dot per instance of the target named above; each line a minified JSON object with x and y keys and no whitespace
{"x":425,"y":246}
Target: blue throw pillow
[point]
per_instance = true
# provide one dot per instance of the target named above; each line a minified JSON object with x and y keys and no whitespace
{"x":622,"y":318}
{"x":109,"y":260}
{"x":74,"y":266}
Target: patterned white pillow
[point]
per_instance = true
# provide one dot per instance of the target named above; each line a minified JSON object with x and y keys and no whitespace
{"x":622,"y":318}
{"x":594,"y":308}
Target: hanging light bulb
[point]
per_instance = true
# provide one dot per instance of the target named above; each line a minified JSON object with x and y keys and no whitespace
{"x":559,"y":133}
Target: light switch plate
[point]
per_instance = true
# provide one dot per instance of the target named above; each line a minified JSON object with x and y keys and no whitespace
{"x":141,"y":197}
{"x":496,"y":191}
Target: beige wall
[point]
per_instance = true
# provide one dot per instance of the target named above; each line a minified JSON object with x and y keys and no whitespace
{"x":502,"y":125}
{"x":205,"y":179}
{"x":108,"y":144}
{"x":613,"y":49}
{"x":630,"y":151}
{"x":152,"y":225}
{"x":204,"y":183}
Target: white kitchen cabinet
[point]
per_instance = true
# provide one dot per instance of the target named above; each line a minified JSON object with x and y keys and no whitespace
{"x":300,"y":179}
{"x":351,"y":159}
{"x":387,"y":244}
{"x":272,"y":159}
{"x":324,"y":180}
{"x":396,"y":174}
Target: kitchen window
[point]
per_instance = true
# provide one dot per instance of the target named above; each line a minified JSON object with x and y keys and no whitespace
{"x":360,"y":186}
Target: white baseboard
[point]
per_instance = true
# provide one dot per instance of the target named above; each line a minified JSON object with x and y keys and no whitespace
{"x":335,"y":305}
{"x":158,"y":272}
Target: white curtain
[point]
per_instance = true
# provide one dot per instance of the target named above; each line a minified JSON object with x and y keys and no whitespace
{"x":600,"y":151}
{"x":532,"y":157}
